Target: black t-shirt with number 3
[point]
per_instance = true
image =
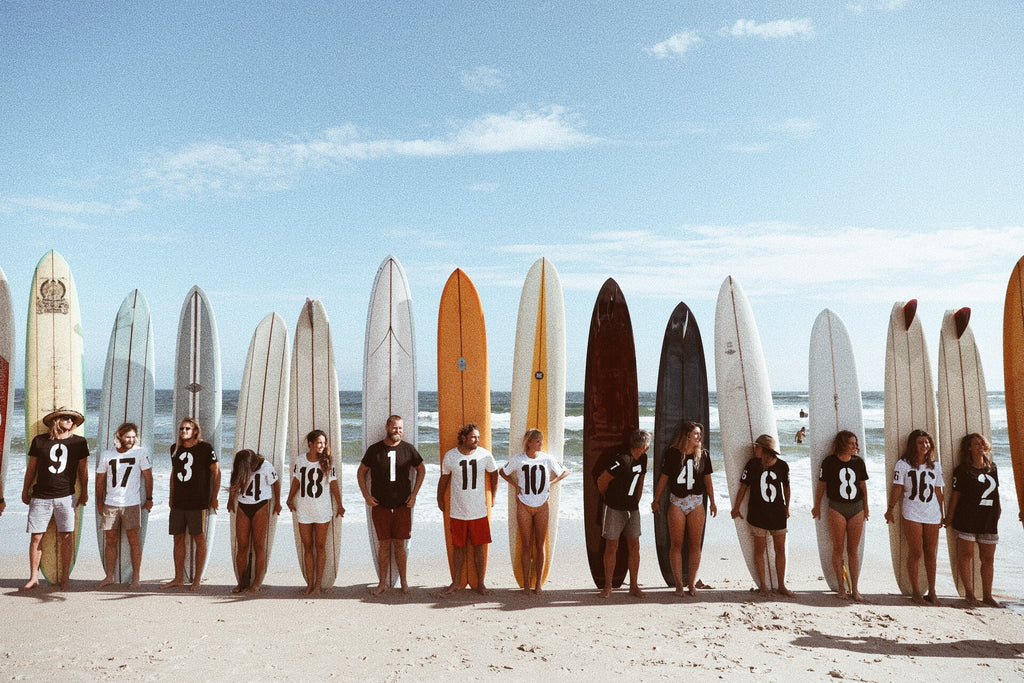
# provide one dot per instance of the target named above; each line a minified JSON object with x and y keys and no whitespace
{"x":191,"y":476}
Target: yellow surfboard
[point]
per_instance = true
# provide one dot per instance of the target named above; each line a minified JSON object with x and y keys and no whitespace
{"x":54,"y":373}
{"x":463,"y":385}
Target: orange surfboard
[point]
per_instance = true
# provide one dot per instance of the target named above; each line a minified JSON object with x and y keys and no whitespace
{"x":463,"y":385}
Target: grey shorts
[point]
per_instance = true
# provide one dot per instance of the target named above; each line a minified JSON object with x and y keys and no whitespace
{"x":41,"y":510}
{"x":765,"y":533}
{"x":130,"y":517}
{"x":620,"y":523}
{"x":987,"y":539}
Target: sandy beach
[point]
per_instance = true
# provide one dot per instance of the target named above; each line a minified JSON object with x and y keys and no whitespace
{"x":568,"y":633}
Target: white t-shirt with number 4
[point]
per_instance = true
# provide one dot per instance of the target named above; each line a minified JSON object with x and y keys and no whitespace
{"x":260,"y":486}
{"x":124,"y":475}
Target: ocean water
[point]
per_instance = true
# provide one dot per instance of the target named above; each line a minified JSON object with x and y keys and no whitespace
{"x":788,"y":405}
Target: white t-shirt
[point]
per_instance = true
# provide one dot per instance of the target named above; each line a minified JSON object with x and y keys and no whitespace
{"x":124,"y":475}
{"x":313,"y":501}
{"x":260,"y":486}
{"x":468,"y":487}
{"x":534,"y":476}
{"x":920,"y":503}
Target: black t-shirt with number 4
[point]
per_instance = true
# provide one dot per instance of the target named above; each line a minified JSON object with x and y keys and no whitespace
{"x":191,"y":476}
{"x":623,"y":491}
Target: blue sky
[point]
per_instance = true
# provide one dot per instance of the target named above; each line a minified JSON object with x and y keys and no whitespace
{"x":843,"y":155}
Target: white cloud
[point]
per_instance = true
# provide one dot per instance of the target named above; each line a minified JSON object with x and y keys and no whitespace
{"x":676,"y":46}
{"x":880,"y":5}
{"x":49,"y":205}
{"x":244,"y":165}
{"x":796,"y":125}
{"x":483,"y":79}
{"x":484,"y":187}
{"x":752,"y":148}
{"x":781,"y":28}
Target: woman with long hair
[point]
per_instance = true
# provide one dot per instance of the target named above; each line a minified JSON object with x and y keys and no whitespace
{"x":844,"y":476}
{"x":687,"y":472}
{"x":974,"y":515}
{"x":917,"y":486}
{"x":254,"y":484}
{"x":314,"y":485}
{"x":532,"y":472}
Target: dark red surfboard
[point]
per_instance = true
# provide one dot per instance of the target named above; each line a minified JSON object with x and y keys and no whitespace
{"x":611,"y":411}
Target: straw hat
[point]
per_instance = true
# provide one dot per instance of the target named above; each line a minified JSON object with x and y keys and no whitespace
{"x":51,"y":417}
{"x":768,"y":442}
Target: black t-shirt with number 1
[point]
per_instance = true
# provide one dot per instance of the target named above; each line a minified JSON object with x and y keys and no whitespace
{"x":190,"y":472}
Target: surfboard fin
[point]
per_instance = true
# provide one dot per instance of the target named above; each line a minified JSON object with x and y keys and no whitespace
{"x":909,"y":311}
{"x":962,"y":318}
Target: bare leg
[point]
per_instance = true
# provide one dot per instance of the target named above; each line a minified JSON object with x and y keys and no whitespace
{"x":965,"y":557}
{"x":930,"y":534}
{"x":243,"y":529}
{"x":480,"y":559}
{"x":760,"y":550}
{"x":914,"y":535}
{"x":633,"y":545}
{"x":308,"y":556}
{"x":35,"y":557}
{"x":320,"y":532}
{"x":611,"y":551}
{"x":135,"y":548}
{"x":400,"y":561}
{"x":200,"y":556}
{"x":695,"y":537}
{"x":987,"y":551}
{"x":179,"y":562}
{"x":524,"y":522}
{"x":677,"y":524}
{"x":67,"y":547}
{"x":458,"y":566}
{"x":838,"y":529}
{"x":384,"y":563}
{"x":541,"y":518}
{"x":780,"y":564}
{"x":109,"y":557}
{"x":854,"y":531}
{"x":259,"y":525}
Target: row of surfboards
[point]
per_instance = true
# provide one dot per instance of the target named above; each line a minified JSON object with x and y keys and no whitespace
{"x":285,"y":393}
{"x":281,"y":401}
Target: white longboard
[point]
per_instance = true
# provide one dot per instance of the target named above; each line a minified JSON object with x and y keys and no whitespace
{"x":53,"y":371}
{"x":198,"y":392}
{"x":261,"y":420}
{"x":389,"y":373}
{"x":834,"y":404}
{"x":538,"y":390}
{"x":745,"y":408}
{"x":313,"y":403}
{"x":6,"y":376}
{"x":963,"y":410}
{"x":128,"y":395}
{"x":909,"y":405}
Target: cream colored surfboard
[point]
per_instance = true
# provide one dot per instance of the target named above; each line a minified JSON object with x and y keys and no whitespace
{"x":389,"y":374}
{"x":538,"y":391}
{"x":745,"y":408}
{"x":261,"y":420}
{"x":313,"y":403}
{"x":909,"y":405}
{"x":53,"y":371}
{"x":6,"y":376}
{"x":963,"y":410}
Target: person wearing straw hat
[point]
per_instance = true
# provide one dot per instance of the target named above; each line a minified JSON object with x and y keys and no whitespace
{"x":766,"y":478}
{"x":56,"y":461}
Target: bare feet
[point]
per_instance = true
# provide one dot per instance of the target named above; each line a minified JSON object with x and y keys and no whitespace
{"x":195,"y":586}
{"x":406,"y":590}
{"x":107,"y":580}
{"x":636,"y":592}
{"x":30,"y":585}
{"x":255,"y":588}
{"x":605,"y":593}
{"x":933,"y":599}
{"x":972,"y":601}
{"x":992,"y":602}
{"x":173,"y":583}
{"x":918,"y":599}
{"x":785,"y":592}
{"x":449,"y":590}
{"x":857,"y":597}
{"x":381,"y":587}
{"x":238,"y":589}
{"x":484,"y":590}
{"x":680,"y":592}
{"x":65,"y":585}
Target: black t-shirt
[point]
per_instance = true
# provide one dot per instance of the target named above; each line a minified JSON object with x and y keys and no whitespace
{"x":623,"y":491}
{"x":842,"y":479}
{"x":390,"y":472}
{"x":766,"y":508}
{"x":977,"y":510}
{"x":190,"y":472}
{"x":57,"y":464}
{"x":686,"y":474}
